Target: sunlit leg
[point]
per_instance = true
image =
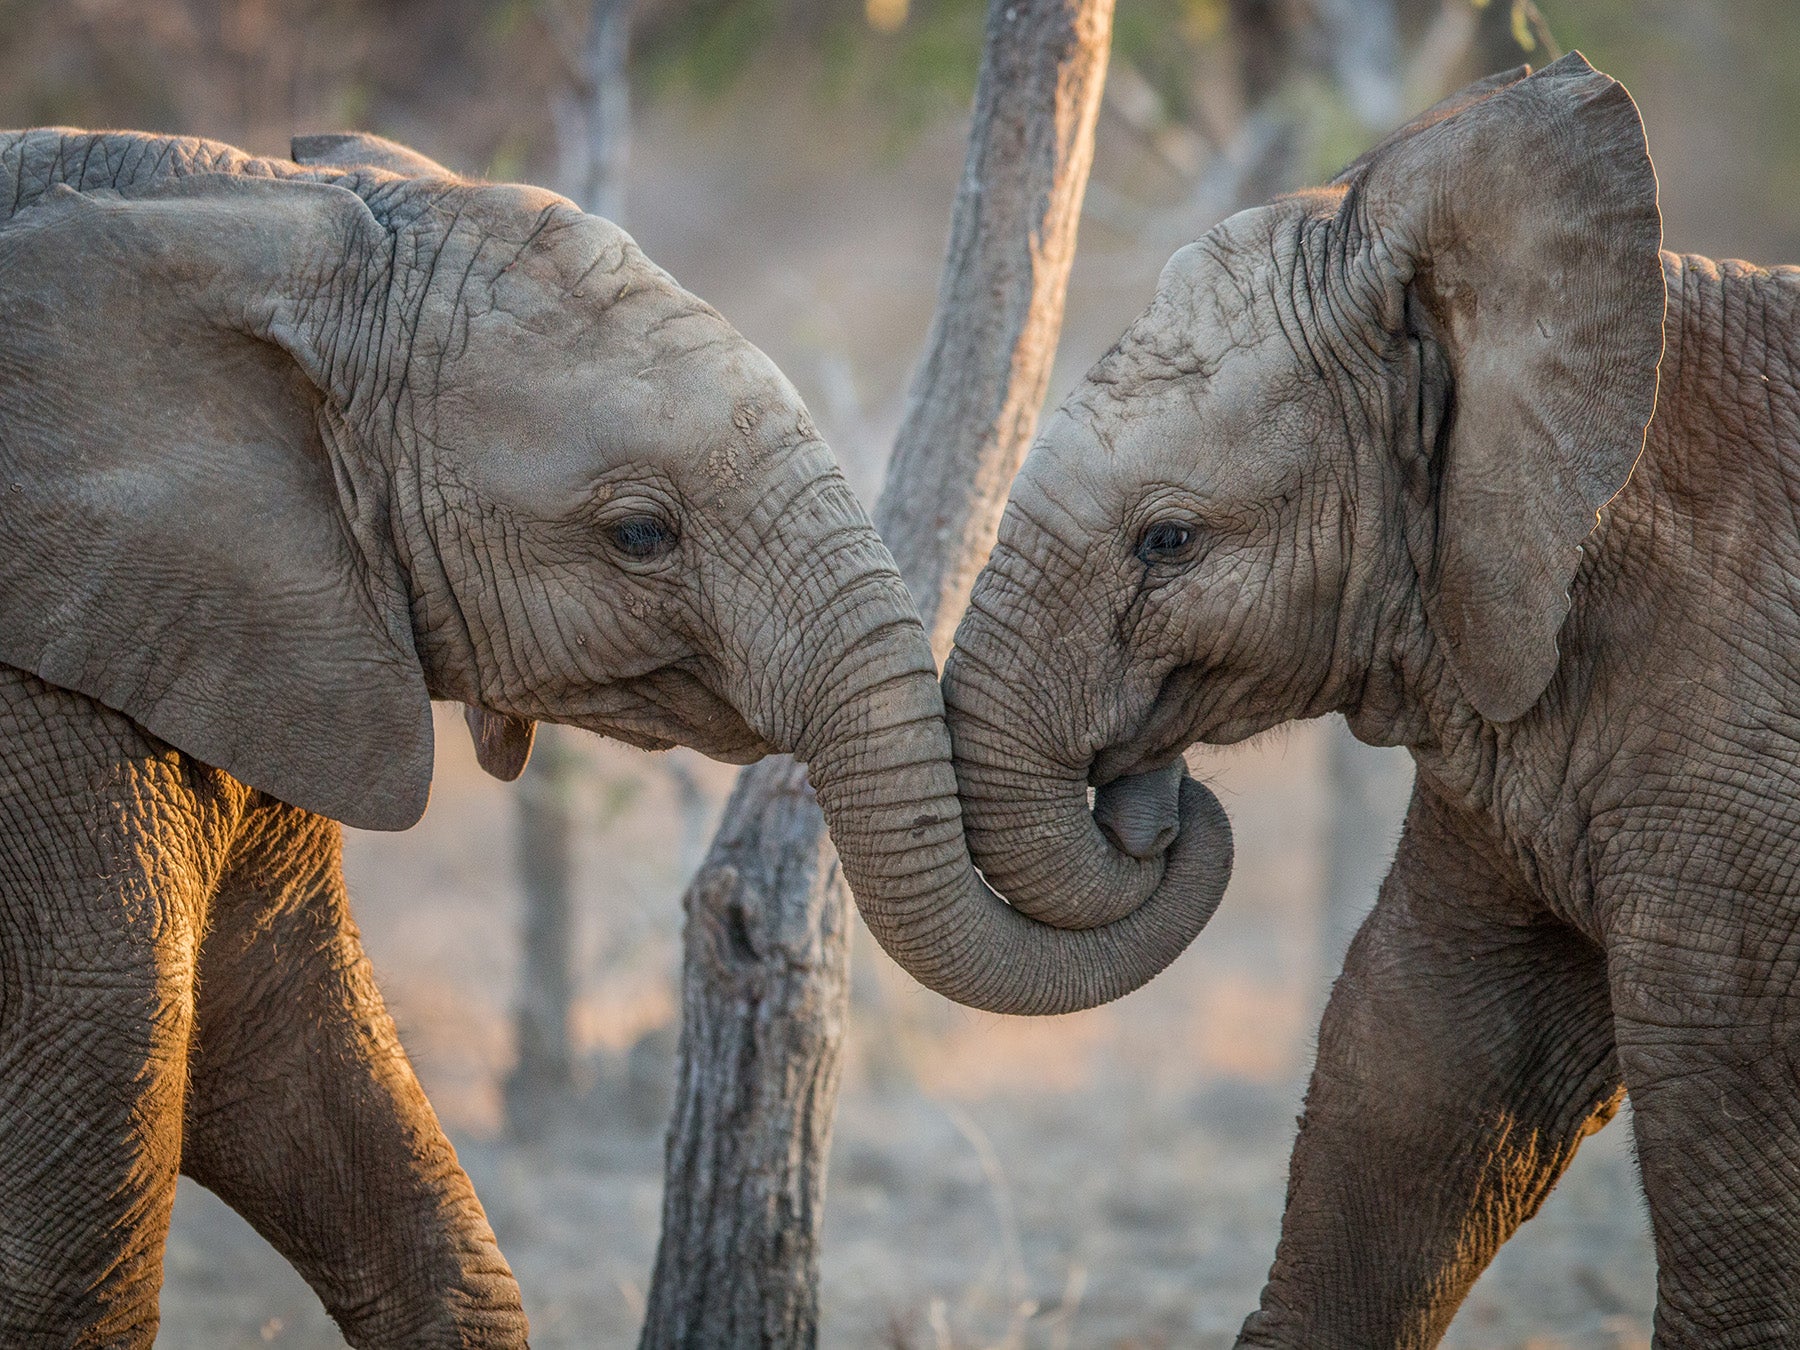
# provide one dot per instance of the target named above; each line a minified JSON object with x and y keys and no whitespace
{"x":306,"y":1117}
{"x":1466,"y":1051}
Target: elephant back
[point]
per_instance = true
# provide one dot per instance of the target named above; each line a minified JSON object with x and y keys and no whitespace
{"x":32,"y":162}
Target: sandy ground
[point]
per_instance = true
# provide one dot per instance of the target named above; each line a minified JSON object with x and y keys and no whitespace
{"x":1112,"y":1179}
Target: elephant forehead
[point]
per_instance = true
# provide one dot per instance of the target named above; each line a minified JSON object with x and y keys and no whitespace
{"x":664,"y":371}
{"x":551,"y":420}
{"x":579,"y":357}
{"x":722,"y":411}
{"x":1068,"y":483}
{"x":1205,"y":371}
{"x":1128,"y":432}
{"x":1248,"y":432}
{"x":1216,"y":298}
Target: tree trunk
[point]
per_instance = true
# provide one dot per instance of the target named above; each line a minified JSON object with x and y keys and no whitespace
{"x":593,"y":122}
{"x":1363,"y":41}
{"x":540,"y":1086}
{"x":593,"y":116}
{"x":765,"y":973}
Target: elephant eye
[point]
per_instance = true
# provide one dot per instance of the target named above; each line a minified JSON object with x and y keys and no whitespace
{"x":1164,"y":541}
{"x":642,"y":536}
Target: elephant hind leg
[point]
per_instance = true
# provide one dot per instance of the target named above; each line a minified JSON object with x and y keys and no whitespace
{"x":306,"y":1118}
{"x":1705,"y":984}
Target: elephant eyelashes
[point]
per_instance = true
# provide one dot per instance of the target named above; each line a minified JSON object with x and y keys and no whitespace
{"x":1164,"y":541}
{"x":642,"y":536}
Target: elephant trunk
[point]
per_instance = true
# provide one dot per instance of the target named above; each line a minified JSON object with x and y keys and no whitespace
{"x":878,"y":754}
{"x":1028,"y":821}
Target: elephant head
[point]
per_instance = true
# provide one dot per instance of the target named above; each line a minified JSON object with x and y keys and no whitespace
{"x":1344,"y":461}
{"x":288,"y":451}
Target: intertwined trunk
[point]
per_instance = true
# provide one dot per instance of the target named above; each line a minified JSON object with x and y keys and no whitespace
{"x":765,"y":974}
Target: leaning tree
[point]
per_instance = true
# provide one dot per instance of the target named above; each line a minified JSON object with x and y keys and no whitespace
{"x":765,"y":972}
{"x":765,"y":975}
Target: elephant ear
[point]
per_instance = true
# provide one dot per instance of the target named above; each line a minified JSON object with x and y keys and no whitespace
{"x":360,"y":150}
{"x":502,"y":741}
{"x":1449,"y":106}
{"x":1517,"y":242}
{"x":175,"y":541}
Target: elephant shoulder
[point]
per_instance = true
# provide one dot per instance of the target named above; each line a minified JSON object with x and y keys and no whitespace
{"x":67,"y":757}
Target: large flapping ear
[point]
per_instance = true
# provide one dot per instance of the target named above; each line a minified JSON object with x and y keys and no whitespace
{"x":1447,"y":107}
{"x":363,"y":150}
{"x":1517,"y":241}
{"x":175,"y":541}
{"x":502,"y":741}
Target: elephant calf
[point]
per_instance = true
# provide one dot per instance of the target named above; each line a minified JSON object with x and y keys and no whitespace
{"x":1380,"y":449}
{"x":286,"y":451}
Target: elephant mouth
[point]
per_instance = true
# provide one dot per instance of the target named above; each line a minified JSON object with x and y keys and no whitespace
{"x":672,"y":706}
{"x":1165,"y":730}
{"x":1187,"y":709}
{"x":1137,"y":779}
{"x":1131,"y":760}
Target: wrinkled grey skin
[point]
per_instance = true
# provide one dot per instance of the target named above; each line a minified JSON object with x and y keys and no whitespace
{"x":1350,"y":459}
{"x":286,"y":451}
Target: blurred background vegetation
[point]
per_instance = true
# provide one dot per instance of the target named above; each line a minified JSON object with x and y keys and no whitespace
{"x":1211,"y":104}
{"x":1112,"y":1179}
{"x":469,"y":80}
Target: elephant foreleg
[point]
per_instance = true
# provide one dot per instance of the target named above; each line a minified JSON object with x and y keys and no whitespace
{"x":90,"y":1097}
{"x":306,"y":1118}
{"x":1466,"y":1051}
{"x":102,"y":878}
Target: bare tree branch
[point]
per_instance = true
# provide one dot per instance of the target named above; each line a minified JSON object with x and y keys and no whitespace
{"x":593,"y":132}
{"x":564,"y":39}
{"x":765,"y":974}
{"x":593,"y":115}
{"x":539,"y":1089}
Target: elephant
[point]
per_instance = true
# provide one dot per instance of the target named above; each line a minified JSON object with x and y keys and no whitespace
{"x":289,"y":450}
{"x":1452,"y":447}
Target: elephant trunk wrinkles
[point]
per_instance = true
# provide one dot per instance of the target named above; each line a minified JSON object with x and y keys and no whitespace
{"x":1027,"y":817}
{"x":879,"y":759}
